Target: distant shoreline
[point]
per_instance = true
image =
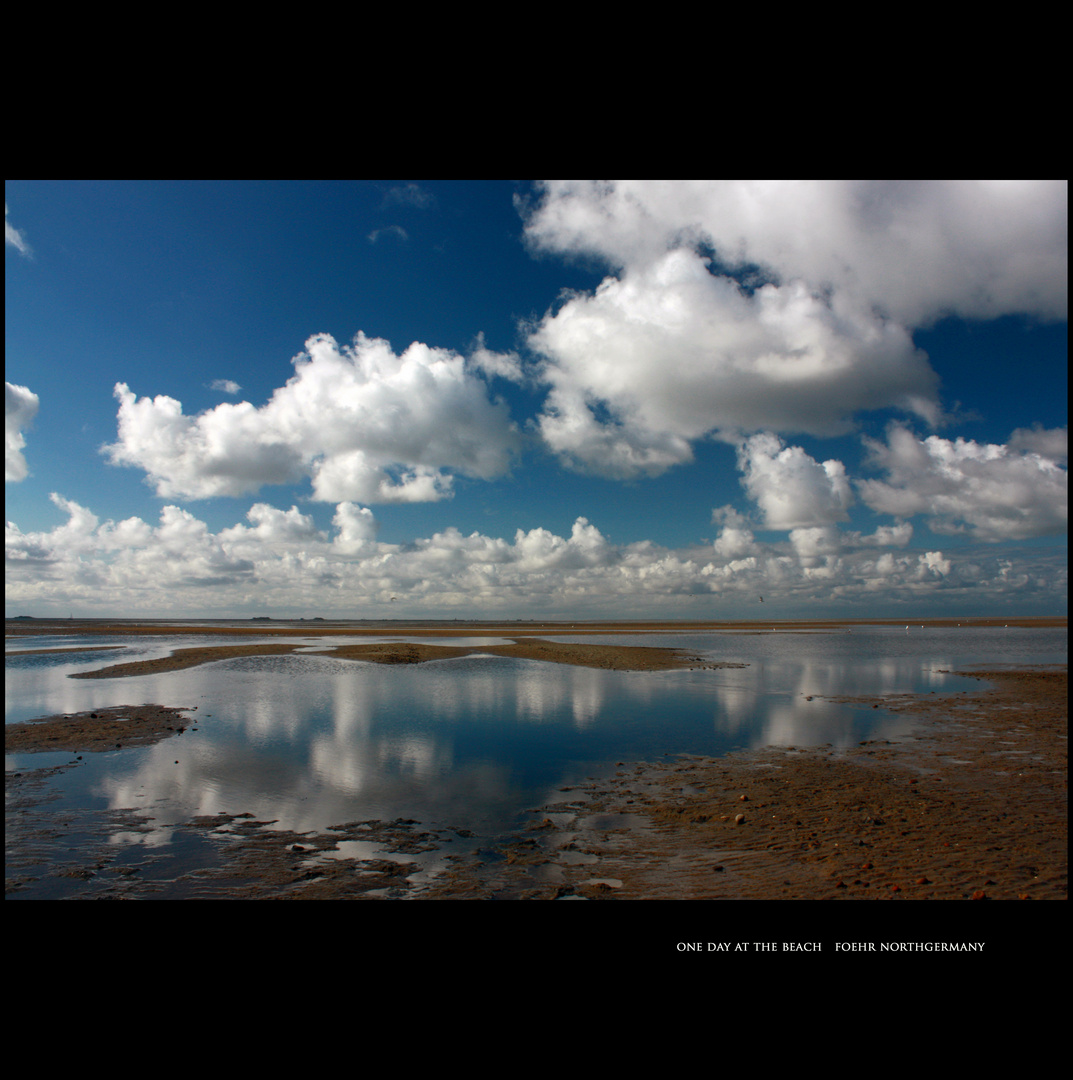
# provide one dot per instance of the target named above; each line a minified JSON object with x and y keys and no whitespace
{"x":22,"y":626}
{"x":528,"y":642}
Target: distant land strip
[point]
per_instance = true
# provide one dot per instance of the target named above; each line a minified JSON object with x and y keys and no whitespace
{"x":262,"y":627}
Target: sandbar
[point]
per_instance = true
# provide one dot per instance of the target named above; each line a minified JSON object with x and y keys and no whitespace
{"x":65,"y":649}
{"x":527,"y":640}
{"x":612,"y":657}
{"x":96,"y":730}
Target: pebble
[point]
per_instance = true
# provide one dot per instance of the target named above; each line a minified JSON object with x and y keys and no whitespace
{"x":739,"y":818}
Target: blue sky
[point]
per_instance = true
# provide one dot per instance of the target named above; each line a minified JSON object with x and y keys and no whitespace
{"x":550,"y":399}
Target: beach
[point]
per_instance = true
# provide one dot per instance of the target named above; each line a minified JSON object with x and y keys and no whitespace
{"x":970,"y":802}
{"x":972,"y":806}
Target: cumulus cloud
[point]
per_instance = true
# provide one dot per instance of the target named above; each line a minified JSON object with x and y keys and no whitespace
{"x":280,"y":560}
{"x":914,"y":249}
{"x":736,"y":537}
{"x":229,"y":450}
{"x":275,"y":529}
{"x":366,"y":425}
{"x":504,"y":365}
{"x":993,"y":492}
{"x":13,"y":237}
{"x":792,"y":489}
{"x":20,"y":407}
{"x":225,"y":386}
{"x":1052,"y":445}
{"x":810,"y":544}
{"x":885,"y":536}
{"x":788,"y":306}
{"x":670,"y":353}
{"x":356,"y":528}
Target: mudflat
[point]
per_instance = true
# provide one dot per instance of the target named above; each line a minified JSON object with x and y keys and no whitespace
{"x":614,"y":657}
{"x":526,"y":641}
{"x":972,"y":806}
{"x":97,"y":729}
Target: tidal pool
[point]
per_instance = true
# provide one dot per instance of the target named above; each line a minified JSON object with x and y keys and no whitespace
{"x":470,"y":744}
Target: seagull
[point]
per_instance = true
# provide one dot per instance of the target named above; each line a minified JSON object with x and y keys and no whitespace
{"x":761,"y":599}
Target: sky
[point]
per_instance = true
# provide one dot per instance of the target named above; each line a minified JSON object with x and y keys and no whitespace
{"x":536,"y":399}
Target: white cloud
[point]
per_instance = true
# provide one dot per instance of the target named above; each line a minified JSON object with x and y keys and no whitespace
{"x":78,"y":534}
{"x":396,"y":232}
{"x":277,"y":530}
{"x":1052,"y":445}
{"x":229,"y":450}
{"x":736,"y":537}
{"x":20,"y":407}
{"x":618,"y":446}
{"x":914,"y":249}
{"x":670,"y":348}
{"x":815,"y":542}
{"x":226,"y":386}
{"x":670,"y":353}
{"x":281,"y":562}
{"x":409,"y":195}
{"x":505,"y":365}
{"x":885,"y":536}
{"x":357,"y":528}
{"x":358,"y":476}
{"x":13,"y":237}
{"x":994,"y":492}
{"x":364,"y":424}
{"x":792,"y":489}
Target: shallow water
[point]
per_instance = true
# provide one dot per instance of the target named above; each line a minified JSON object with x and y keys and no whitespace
{"x":308,"y":741}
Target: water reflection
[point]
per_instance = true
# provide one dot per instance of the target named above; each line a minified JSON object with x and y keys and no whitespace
{"x":309,"y":741}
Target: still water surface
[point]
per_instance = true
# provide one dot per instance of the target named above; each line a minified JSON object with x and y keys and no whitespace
{"x":308,"y":741}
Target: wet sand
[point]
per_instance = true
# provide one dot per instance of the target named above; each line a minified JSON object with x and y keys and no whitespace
{"x":614,"y":657}
{"x":69,"y":649}
{"x":527,"y":642}
{"x":97,"y":730}
{"x":971,"y":806}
